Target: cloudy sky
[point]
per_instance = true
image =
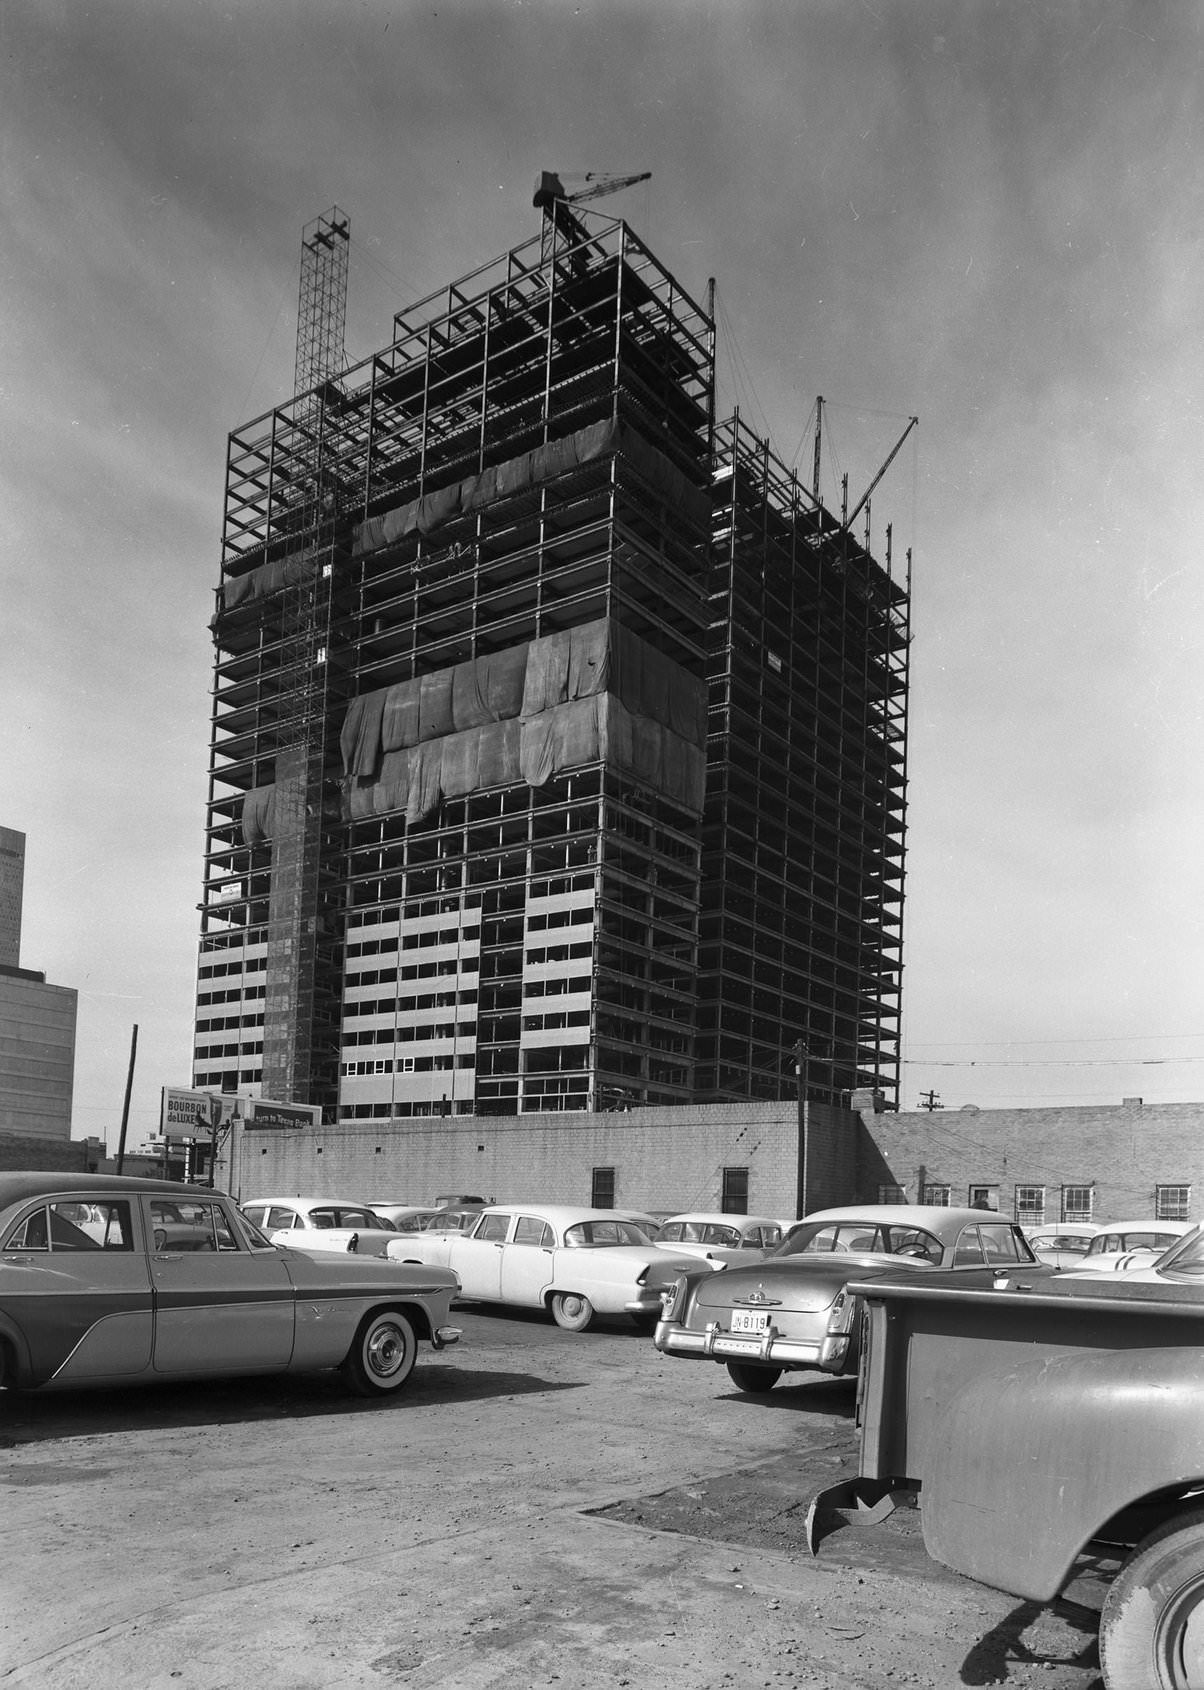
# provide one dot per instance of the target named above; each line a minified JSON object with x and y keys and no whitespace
{"x":985,"y":214}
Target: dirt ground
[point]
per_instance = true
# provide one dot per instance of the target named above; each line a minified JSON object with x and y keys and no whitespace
{"x":540,"y":1509}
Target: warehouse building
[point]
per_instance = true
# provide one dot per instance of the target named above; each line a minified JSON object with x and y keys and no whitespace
{"x":559,"y":731}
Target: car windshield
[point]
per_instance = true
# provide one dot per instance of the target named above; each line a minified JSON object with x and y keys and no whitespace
{"x":1106,"y":1243}
{"x":862,"y":1238}
{"x":594,"y":1235}
{"x":1189,"y":1257}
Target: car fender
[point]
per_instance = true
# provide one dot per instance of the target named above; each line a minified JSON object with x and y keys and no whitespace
{"x":12,"y":1337}
{"x":1031,"y":1460}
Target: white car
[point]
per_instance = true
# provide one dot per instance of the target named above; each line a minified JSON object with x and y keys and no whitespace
{"x":576,"y":1263}
{"x":406,"y":1217}
{"x":321,"y":1223}
{"x":1061,"y":1245}
{"x":721,"y":1238}
{"x":1122,"y":1246}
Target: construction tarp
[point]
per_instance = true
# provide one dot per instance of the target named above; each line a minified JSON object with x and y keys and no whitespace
{"x":602,"y":657}
{"x":602,"y":729}
{"x":258,"y":583}
{"x":530,"y":469}
{"x":584,"y":695}
{"x":259,"y":814}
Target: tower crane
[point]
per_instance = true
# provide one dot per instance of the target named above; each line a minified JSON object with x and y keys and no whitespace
{"x":555,"y":201}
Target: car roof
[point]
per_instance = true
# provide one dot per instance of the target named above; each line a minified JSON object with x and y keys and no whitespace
{"x":559,"y":1214}
{"x":718,"y":1218}
{"x":19,"y":1186}
{"x":933,"y":1216}
{"x":314,"y":1202}
{"x":1146,"y":1225}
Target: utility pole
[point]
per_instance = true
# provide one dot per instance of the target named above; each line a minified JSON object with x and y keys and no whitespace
{"x":799,"y":1052}
{"x":125,"y":1110}
{"x":931,"y":1100}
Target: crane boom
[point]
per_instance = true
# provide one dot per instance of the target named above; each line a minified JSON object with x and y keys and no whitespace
{"x":549,"y":187}
{"x":849,"y":520}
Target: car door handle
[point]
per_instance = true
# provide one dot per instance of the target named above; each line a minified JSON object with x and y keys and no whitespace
{"x":168,"y":1256}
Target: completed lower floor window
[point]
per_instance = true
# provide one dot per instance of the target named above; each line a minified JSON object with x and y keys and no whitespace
{"x":735,"y":1191}
{"x":1172,"y":1202}
{"x":602,"y":1189}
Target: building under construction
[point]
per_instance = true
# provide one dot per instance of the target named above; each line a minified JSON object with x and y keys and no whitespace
{"x":559,"y":732}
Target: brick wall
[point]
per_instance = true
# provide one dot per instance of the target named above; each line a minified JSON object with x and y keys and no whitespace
{"x":19,"y":1152}
{"x":1123,"y":1151}
{"x":664,"y":1159}
{"x":673,"y":1159}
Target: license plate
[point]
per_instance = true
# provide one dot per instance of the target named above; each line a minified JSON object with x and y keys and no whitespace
{"x":745,"y":1320}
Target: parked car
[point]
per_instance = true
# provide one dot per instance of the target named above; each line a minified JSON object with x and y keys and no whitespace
{"x":721,"y":1238}
{"x":1181,"y":1264}
{"x":449,"y":1200}
{"x":576,"y":1263}
{"x":137,"y":1303}
{"x":453,"y":1219}
{"x":321,"y":1223}
{"x":791,"y":1311}
{"x":1063,"y":1245}
{"x":1122,"y":1246}
{"x":405,"y":1217}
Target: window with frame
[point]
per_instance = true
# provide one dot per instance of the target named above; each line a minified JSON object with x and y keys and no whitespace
{"x":1078,"y":1202}
{"x":892,"y":1194}
{"x":936,"y":1195}
{"x":493,"y":1228}
{"x":602,"y":1188}
{"x":1172,"y":1202}
{"x":983,"y":1197}
{"x":531,"y":1230}
{"x":735,"y":1191}
{"x":1030,"y":1205}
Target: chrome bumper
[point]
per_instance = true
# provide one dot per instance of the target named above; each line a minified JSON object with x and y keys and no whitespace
{"x":768,"y":1350}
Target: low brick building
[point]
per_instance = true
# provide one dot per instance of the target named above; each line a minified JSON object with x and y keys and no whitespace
{"x":1100,"y":1162}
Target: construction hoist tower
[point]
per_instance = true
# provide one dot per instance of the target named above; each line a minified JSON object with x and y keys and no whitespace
{"x":302,"y":994}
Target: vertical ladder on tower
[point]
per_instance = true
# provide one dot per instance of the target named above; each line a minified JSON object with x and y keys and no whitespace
{"x":296,"y":1067}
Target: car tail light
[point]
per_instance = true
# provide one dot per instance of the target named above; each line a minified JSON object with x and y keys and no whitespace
{"x":673,"y":1301}
{"x":843,"y":1310}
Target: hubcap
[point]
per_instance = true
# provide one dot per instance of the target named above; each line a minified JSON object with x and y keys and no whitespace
{"x":1179,"y":1643}
{"x":385,"y":1351}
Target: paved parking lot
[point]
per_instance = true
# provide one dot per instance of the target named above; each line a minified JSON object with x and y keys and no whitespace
{"x":538,"y":1509}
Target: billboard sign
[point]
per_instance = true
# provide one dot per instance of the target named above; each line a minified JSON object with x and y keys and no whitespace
{"x":186,"y":1114}
{"x":261,"y":1114}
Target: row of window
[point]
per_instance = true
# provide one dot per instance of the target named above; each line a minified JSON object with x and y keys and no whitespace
{"x":416,"y":941}
{"x":404,"y":1065}
{"x":209,"y":1053}
{"x":414,"y":1110}
{"x":398,"y":1006}
{"x":238,"y":994}
{"x":411,"y":1035}
{"x":556,"y":987}
{"x":1030,"y":1202}
{"x":229,"y":1023}
{"x":412,"y":971}
{"x":252,"y":965}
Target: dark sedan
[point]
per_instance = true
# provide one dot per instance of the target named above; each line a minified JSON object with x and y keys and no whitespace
{"x":121,"y":1281}
{"x":791,"y":1311}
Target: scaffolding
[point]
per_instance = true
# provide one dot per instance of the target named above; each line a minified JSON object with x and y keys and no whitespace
{"x":529,"y":473}
{"x":804,"y":837}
